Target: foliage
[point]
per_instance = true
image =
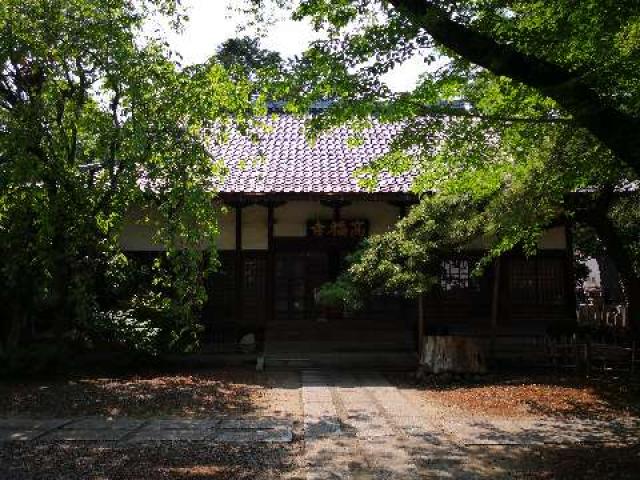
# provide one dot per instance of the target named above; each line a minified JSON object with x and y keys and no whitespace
{"x":338,"y":294}
{"x":625,"y":214}
{"x":245,"y":56}
{"x":127,"y":329}
{"x":97,"y":122}
{"x":406,"y":261}
{"x":521,"y":105}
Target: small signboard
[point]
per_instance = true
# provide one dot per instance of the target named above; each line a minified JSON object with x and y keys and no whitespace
{"x":358,"y":228}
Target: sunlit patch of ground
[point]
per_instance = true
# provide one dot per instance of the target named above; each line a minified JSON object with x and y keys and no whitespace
{"x":184,"y":394}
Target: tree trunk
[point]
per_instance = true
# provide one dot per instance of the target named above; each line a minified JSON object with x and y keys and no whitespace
{"x":617,"y":250}
{"x":633,"y":304}
{"x":447,"y":354}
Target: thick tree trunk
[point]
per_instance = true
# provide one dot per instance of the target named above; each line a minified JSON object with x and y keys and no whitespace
{"x":616,"y":249}
{"x":444,"y":354}
{"x":632,"y":294}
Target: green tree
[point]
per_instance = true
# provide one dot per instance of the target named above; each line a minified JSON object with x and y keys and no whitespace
{"x":523,"y":104}
{"x":94,"y":121}
{"x":246,"y":56}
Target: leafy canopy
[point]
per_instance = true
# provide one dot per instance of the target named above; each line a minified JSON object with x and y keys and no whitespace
{"x":521,"y":104}
{"x":97,"y":123}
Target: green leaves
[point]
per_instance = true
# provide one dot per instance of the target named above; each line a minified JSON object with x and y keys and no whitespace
{"x":95,"y":121}
{"x":508,"y":150}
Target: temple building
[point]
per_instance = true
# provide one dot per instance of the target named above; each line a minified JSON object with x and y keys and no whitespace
{"x":294,"y":212}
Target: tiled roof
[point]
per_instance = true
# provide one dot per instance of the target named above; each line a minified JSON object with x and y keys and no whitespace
{"x":284,"y":161}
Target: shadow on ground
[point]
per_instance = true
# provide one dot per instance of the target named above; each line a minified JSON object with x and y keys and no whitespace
{"x":190,"y":460}
{"x":161,"y":393}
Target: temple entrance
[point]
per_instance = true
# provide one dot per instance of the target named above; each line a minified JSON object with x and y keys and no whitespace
{"x":300,"y":323}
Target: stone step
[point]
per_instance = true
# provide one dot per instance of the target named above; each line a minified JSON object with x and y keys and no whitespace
{"x":395,"y":360}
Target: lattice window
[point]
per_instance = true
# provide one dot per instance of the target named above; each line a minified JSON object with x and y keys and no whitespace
{"x":456,"y":275}
{"x":537,"y":281}
{"x":551,"y":281}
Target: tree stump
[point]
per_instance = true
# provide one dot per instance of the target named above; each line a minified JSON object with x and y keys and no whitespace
{"x":449,"y":354}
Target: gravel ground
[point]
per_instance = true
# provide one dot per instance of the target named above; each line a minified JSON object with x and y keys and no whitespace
{"x":157,"y":394}
{"x":166,"y":461}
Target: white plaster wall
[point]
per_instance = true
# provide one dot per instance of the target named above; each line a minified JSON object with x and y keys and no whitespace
{"x":227,"y":230}
{"x":290,"y":219}
{"x":254,"y":228}
{"x":552,"y":239}
{"x":381,"y":215}
{"x":141,"y":224}
{"x":139,"y":230}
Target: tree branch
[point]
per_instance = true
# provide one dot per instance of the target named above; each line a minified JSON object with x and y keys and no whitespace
{"x":614,"y":128}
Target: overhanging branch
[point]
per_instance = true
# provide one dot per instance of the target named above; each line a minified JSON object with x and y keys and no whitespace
{"x":614,"y":128}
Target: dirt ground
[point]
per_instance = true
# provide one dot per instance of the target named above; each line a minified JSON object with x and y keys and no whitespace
{"x":599,"y":397}
{"x":152,"y":394}
{"x":190,"y":460}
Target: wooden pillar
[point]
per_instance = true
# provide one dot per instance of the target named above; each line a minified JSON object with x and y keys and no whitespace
{"x":495,"y":303}
{"x":239,"y":264}
{"x":570,"y":280}
{"x":270,"y":298}
{"x":420,"y":326}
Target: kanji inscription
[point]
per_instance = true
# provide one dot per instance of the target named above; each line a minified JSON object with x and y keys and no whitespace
{"x":338,"y":228}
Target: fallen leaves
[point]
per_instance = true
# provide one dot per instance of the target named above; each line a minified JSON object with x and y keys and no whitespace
{"x":513,"y":395}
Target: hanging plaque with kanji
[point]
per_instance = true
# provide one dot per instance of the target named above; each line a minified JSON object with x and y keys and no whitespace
{"x":338,"y":228}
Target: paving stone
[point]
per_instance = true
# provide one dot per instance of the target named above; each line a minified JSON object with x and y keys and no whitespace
{"x":31,"y":424}
{"x":154,"y":435}
{"x":369,"y":427}
{"x":322,"y":395}
{"x":320,"y":409}
{"x":97,"y":435}
{"x":389,"y":458}
{"x":181,"y":424}
{"x":282,"y":435}
{"x":255,"y":423}
{"x":101,"y":423}
{"x":13,"y":435}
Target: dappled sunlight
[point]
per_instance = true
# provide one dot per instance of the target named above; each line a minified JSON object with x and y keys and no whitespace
{"x":171,"y":460}
{"x":177,"y":394}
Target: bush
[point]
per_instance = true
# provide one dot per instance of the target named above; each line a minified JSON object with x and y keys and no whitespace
{"x":125,"y":329}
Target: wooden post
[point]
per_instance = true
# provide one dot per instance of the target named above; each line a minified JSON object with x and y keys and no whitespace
{"x":495,"y":305}
{"x":270,"y":301}
{"x":239,"y":265}
{"x":570,"y":281}
{"x":420,"y":326}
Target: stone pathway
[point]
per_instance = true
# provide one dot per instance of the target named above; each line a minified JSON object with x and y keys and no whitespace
{"x":124,"y":430}
{"x":359,"y":426}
